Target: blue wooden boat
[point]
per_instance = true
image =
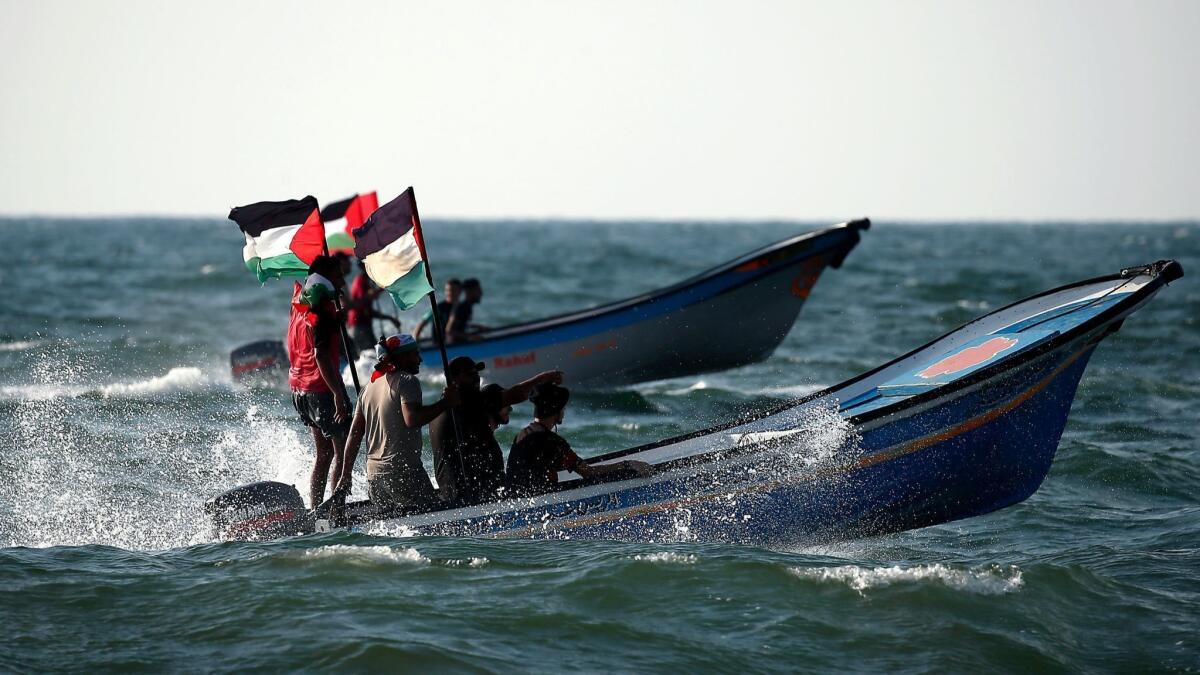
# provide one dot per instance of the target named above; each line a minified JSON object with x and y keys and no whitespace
{"x":960,"y":427}
{"x":661,"y":334}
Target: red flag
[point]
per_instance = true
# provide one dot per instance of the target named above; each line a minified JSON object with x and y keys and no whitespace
{"x":359,"y":210}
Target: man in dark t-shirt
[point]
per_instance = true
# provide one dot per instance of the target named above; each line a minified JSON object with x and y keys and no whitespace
{"x":472,"y":471}
{"x":538,"y":453}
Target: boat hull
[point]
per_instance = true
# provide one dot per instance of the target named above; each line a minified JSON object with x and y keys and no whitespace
{"x":734,"y":328}
{"x":966,"y":456}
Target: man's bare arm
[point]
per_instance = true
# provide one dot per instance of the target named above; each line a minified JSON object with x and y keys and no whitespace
{"x":332,"y":378}
{"x":519,"y":393}
{"x":417,"y":416}
{"x":586,"y":470}
{"x":358,"y":429}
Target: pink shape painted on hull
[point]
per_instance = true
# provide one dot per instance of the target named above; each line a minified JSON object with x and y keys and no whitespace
{"x":968,"y":357}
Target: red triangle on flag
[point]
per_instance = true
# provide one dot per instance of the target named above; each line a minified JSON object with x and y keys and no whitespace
{"x":309,"y":240}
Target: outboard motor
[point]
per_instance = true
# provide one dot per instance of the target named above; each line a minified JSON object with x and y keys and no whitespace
{"x":262,"y":510}
{"x":259,"y":363}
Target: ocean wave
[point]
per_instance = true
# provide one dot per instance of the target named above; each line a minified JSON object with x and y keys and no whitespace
{"x":369,"y":554}
{"x":667,"y":557}
{"x":183,"y":379}
{"x":21,"y":345}
{"x":993,"y":580}
{"x":474,"y":561}
{"x":176,"y":380}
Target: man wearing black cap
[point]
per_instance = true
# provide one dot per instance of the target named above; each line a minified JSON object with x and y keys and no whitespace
{"x":539,"y":453}
{"x":473,"y":472}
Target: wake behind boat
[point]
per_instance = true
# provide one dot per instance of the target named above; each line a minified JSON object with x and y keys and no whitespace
{"x":658,"y":335}
{"x":960,"y":427}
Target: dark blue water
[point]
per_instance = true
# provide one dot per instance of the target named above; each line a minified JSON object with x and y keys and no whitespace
{"x":120,"y":420}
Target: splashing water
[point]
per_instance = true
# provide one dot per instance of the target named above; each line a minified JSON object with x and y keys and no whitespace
{"x":120,"y":470}
{"x":991,"y":580}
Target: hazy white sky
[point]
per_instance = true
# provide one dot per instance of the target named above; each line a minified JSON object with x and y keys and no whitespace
{"x":811,"y":111}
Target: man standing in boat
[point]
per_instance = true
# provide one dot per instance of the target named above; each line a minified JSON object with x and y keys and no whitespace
{"x":539,"y":453}
{"x":362,"y":310}
{"x":390,"y":415}
{"x":314,"y":344}
{"x":452,"y":291}
{"x":473,"y":472}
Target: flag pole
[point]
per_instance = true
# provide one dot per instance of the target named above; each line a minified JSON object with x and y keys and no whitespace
{"x":438,"y":333}
{"x":337,"y":302}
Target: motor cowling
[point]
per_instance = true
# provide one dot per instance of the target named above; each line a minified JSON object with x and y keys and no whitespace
{"x":259,"y":363}
{"x":262,"y":510}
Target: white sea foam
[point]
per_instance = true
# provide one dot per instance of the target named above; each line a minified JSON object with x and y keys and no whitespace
{"x":469,"y":562}
{"x":20,"y":345}
{"x":386,"y":529}
{"x":130,"y":492}
{"x":992,"y":580}
{"x":667,"y":557}
{"x":176,"y":379}
{"x":795,"y":391}
{"x":179,"y":379}
{"x":697,"y":386}
{"x":369,"y":554}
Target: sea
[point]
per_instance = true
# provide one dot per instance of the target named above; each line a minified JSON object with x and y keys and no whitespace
{"x":118,"y":419}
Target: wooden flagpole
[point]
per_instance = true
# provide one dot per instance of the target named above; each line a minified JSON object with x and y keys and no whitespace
{"x":438,"y":333}
{"x":337,"y":302}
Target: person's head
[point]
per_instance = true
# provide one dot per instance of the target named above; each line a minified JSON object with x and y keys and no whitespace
{"x":473,"y":290}
{"x":344,"y":263}
{"x":550,"y":402}
{"x":452,"y":289}
{"x":401,"y":351}
{"x":464,"y":373}
{"x":492,"y":398}
{"x":330,"y":268}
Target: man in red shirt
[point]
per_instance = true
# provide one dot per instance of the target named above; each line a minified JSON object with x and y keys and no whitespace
{"x":362,"y":310}
{"x":314,"y":348}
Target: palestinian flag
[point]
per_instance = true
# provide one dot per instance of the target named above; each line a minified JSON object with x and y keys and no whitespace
{"x":342,"y":218}
{"x":282,"y":238}
{"x":390,"y":246}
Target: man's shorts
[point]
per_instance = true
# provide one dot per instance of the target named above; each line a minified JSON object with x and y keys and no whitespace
{"x":397,"y":493}
{"x":317,"y":410}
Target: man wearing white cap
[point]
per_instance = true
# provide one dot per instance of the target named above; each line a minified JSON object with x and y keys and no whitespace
{"x":390,"y":415}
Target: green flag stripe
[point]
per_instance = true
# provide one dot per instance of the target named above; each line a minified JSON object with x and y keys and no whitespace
{"x":411,"y":288}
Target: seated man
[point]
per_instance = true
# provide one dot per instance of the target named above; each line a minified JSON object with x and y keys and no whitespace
{"x":497,"y":410}
{"x":538,"y":453}
{"x":466,"y":456}
{"x":390,"y":414}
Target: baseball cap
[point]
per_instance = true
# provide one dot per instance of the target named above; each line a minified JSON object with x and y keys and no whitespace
{"x":462,"y":364}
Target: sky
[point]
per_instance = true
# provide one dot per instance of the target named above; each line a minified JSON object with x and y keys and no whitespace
{"x":606,"y":110}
